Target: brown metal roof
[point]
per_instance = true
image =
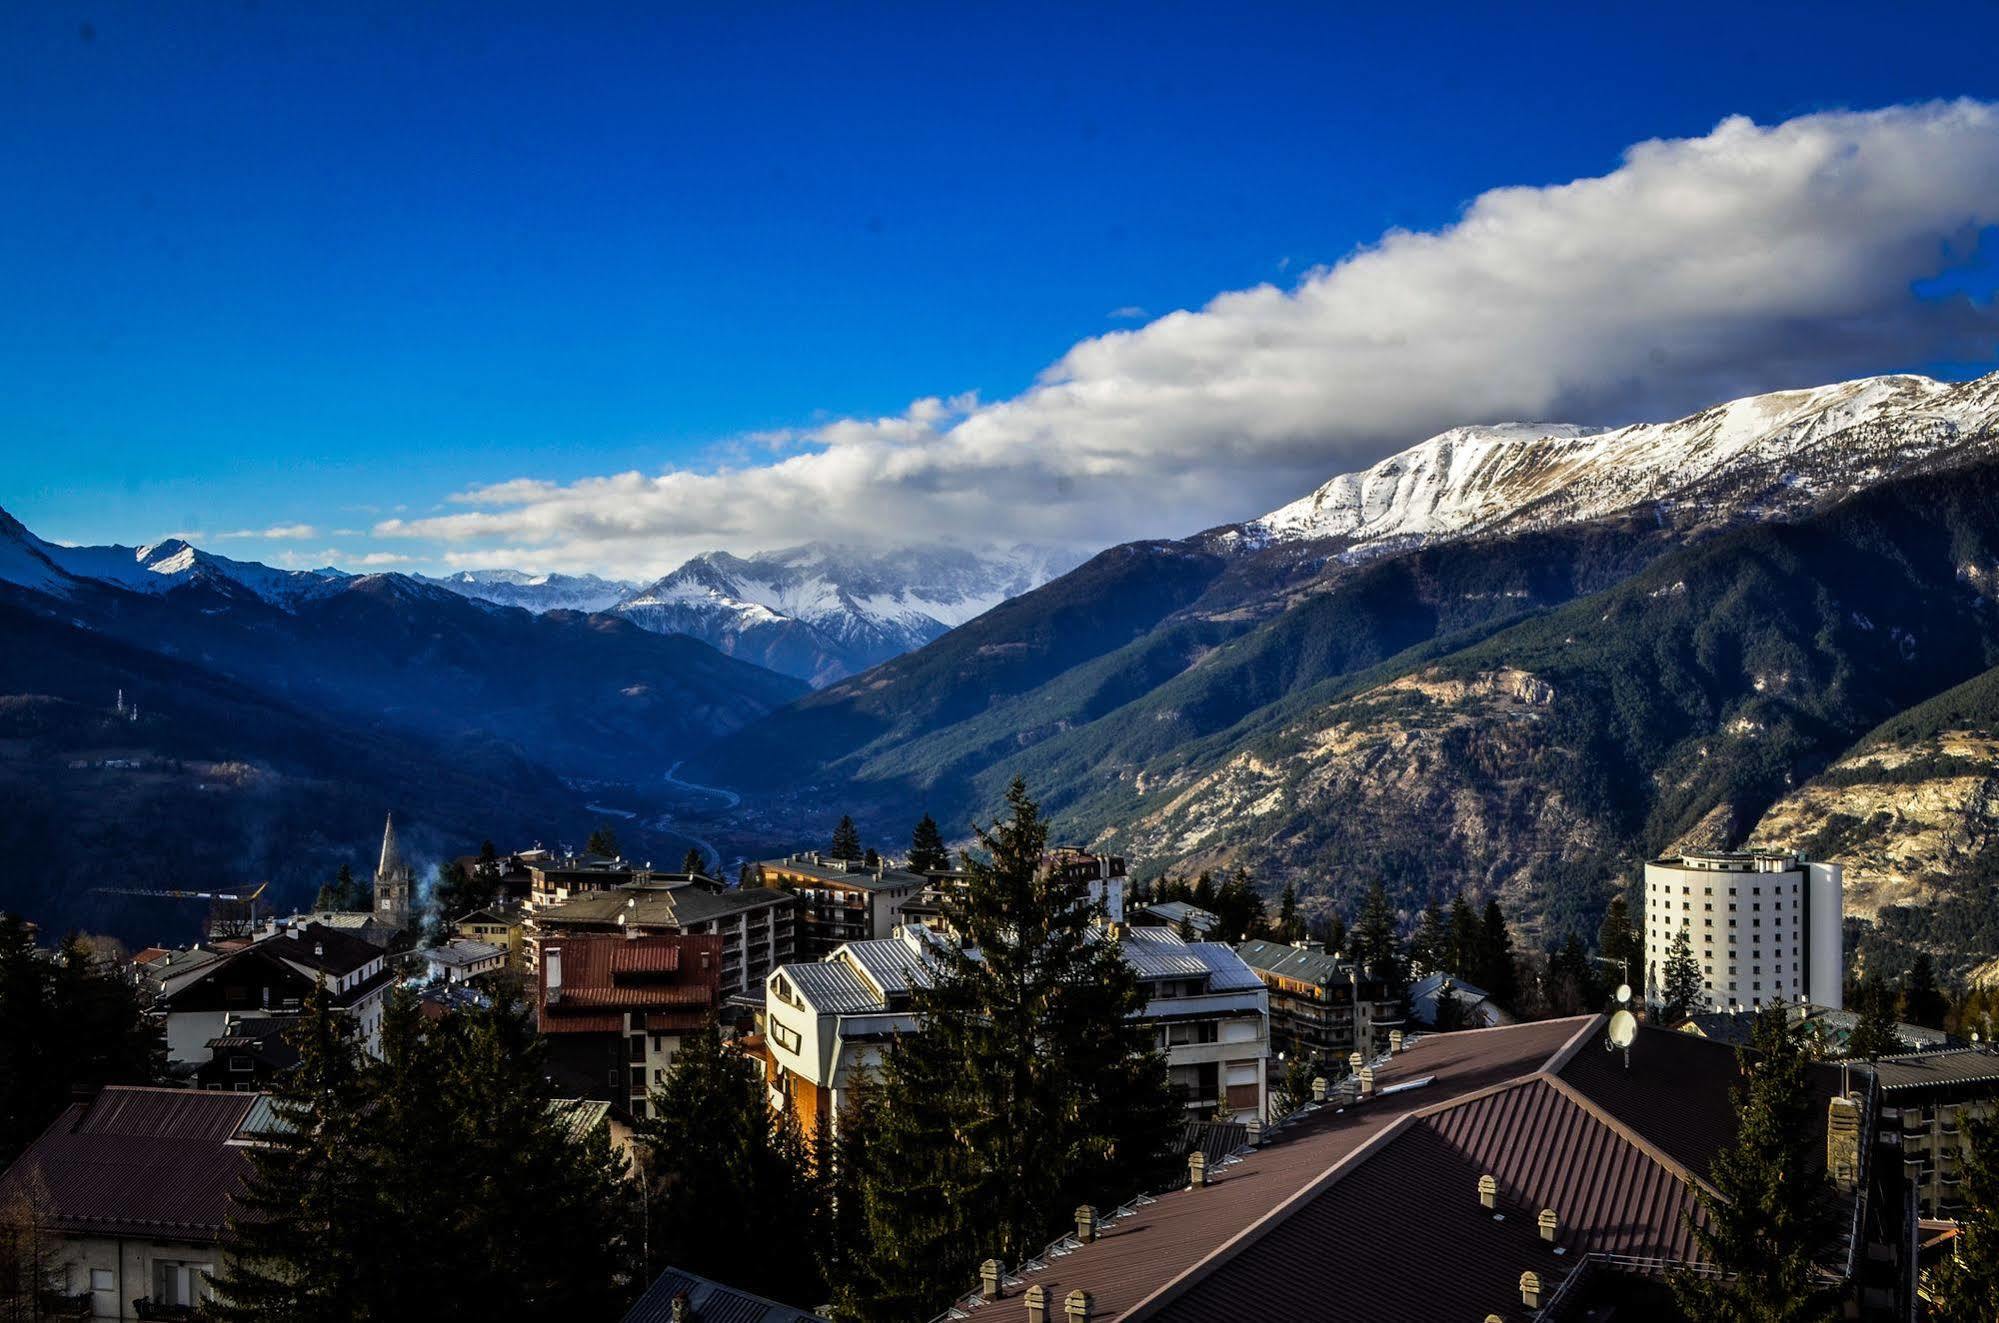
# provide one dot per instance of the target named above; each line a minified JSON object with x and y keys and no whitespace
{"x":137,"y":1162}
{"x":675,"y":979}
{"x":1139,"y":1255}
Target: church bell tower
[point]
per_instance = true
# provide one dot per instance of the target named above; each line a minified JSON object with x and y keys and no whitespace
{"x":393,"y":882}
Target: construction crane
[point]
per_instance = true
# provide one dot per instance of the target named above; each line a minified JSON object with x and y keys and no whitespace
{"x":169,"y":894}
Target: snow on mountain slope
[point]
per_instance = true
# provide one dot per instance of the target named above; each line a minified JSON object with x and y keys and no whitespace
{"x":535,"y":592}
{"x":822,"y":612}
{"x":48,"y":567}
{"x":1764,"y":455}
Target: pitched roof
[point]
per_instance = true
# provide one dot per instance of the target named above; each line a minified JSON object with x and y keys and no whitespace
{"x":463,"y":951}
{"x":138,"y":1162}
{"x":673,"y":980}
{"x":710,"y":1302}
{"x":1304,"y":965}
{"x":1930,"y":1069}
{"x":833,"y":988}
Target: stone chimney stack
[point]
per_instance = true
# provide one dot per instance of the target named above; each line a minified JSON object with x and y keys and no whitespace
{"x":1366,"y":1079}
{"x":1037,"y":1304}
{"x":1355,"y":1062}
{"x":1530,"y":1289}
{"x":1079,"y":1305}
{"x":551,"y":960}
{"x":1253,"y":1132}
{"x":1395,"y":1041}
{"x":1318,"y":1088}
{"x":991,"y":1274}
{"x":1086,"y":1223}
{"x":683,"y":1309}
{"x":1488,"y":1191}
{"x":1550,"y":1224}
{"x":1197,"y":1169}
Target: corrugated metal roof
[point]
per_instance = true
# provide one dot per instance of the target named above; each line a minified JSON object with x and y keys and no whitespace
{"x":1930,"y":1069}
{"x":891,"y":964}
{"x":711,"y":1302}
{"x":833,"y":988}
{"x":1306,"y":966}
{"x":166,"y":1113}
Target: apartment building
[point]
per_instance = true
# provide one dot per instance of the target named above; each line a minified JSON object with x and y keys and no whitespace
{"x":1929,"y":1099}
{"x":613,"y":1010}
{"x":757,"y":926}
{"x":197,"y":991}
{"x":828,"y":1021}
{"x":840,"y":900}
{"x":1321,"y":1007}
{"x":1764,"y":927}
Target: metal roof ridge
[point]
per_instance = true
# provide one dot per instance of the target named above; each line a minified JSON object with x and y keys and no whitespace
{"x":1567,"y":1051}
{"x":1204,"y":1267}
{"x":1625,"y":1132}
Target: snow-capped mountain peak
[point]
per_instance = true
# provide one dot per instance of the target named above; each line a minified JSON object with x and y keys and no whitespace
{"x":822,"y":611}
{"x":534,"y":592}
{"x":1761,"y":455}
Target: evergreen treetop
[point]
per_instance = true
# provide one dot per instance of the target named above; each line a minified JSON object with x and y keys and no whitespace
{"x":846,"y":841}
{"x":926,"y":848}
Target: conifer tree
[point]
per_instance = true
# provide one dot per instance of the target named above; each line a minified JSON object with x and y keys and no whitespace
{"x":1873,"y":1035}
{"x":1770,"y":1209}
{"x":1335,"y":939}
{"x":870,"y":858}
{"x":340,"y":894}
{"x":1966,"y":1287}
{"x":1922,"y":1002}
{"x":1202,"y":894}
{"x":1618,"y":941}
{"x":715,"y":1164}
{"x":1290,"y":928}
{"x":1497,"y":973}
{"x":1467,"y":940}
{"x":1682,"y":988}
{"x":926,"y":848}
{"x":694,"y":862}
{"x":1237,"y":909}
{"x":1375,"y":943}
{"x":1571,"y":980}
{"x":1027,"y":1089}
{"x":1430,"y":944}
{"x":846,"y":841}
{"x":603,"y":841}
{"x":299,"y":1228}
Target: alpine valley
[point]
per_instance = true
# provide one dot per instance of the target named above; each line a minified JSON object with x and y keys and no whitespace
{"x":1511,"y":660}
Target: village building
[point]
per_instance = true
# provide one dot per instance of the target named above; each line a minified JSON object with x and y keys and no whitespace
{"x":757,"y":925}
{"x":500,"y":925}
{"x":249,"y":1052}
{"x":1928,"y":1101}
{"x":1763,"y":925}
{"x":1188,"y":920}
{"x":1472,"y":1006}
{"x":462,"y":960}
{"x":195,"y":992}
{"x":840,"y":900}
{"x":1322,"y":1008}
{"x":395,"y":883}
{"x":134,"y":1187}
{"x":555,"y":878}
{"x":613,"y":1010}
{"x":676,"y":1296}
{"x":826,"y":1022}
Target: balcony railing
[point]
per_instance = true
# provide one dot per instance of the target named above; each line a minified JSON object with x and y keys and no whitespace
{"x":56,"y":1304}
{"x":147,"y":1307}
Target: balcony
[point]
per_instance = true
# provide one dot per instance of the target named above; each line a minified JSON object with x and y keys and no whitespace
{"x":146,"y":1307}
{"x":54,"y":1304}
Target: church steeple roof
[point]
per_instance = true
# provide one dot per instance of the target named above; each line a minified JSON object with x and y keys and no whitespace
{"x":392,"y":856}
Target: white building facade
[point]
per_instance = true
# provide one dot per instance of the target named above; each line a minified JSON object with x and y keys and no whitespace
{"x":1764,"y":927}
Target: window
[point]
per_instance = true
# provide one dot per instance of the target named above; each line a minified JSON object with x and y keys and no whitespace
{"x":784,"y":1036}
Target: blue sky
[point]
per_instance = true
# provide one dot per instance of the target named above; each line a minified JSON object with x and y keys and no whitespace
{"x":264,"y":267}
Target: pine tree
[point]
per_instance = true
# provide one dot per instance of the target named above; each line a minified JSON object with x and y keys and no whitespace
{"x":1335,"y":939}
{"x":1497,"y":973}
{"x":846,"y":841}
{"x":694,"y":862}
{"x":1873,"y":1035}
{"x":1027,"y":1090}
{"x":1202,"y":895}
{"x":1237,"y":909}
{"x":1683,"y":989}
{"x":1966,"y":1287}
{"x":1770,"y":1211}
{"x":715,"y":1164}
{"x":1618,"y":941}
{"x":870,"y":859}
{"x":603,"y":841}
{"x":299,"y":1227}
{"x":340,"y":895}
{"x":1375,"y":943}
{"x":1571,"y":986}
{"x":1430,"y":944}
{"x":926,"y":848}
{"x":1290,"y":928}
{"x":1922,"y":1002}
{"x":1467,"y":940}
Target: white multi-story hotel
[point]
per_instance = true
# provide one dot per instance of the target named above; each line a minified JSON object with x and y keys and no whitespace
{"x":829,"y":1020}
{"x":1764,"y":927}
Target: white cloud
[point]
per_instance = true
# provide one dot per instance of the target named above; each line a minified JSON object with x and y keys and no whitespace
{"x":1130,"y":312}
{"x":275,"y":533}
{"x":1748,"y":259}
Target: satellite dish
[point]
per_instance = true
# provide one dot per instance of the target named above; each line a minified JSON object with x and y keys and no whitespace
{"x":1624,"y":994}
{"x":1623,"y":1029}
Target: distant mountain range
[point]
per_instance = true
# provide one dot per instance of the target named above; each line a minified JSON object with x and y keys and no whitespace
{"x":1511,"y":659}
{"x":818,"y":612}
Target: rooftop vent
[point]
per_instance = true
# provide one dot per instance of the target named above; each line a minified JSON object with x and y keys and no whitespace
{"x":1037,"y":1304}
{"x":1530,"y":1289}
{"x":1550,"y":1224}
{"x":1078,"y":1306}
{"x":1488,"y":1191}
{"x":1197,"y":1169}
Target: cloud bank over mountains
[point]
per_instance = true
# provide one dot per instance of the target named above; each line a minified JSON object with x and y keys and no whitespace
{"x":1752,"y":258}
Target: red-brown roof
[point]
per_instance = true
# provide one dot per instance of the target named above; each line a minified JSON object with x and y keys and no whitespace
{"x":138,"y":1162}
{"x":674,"y":981}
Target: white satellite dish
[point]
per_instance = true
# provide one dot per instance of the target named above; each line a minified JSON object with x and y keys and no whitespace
{"x":1623,"y":1029}
{"x":1624,"y":994}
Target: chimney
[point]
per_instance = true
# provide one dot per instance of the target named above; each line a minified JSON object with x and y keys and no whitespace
{"x":1197,"y":1169}
{"x":1086,"y":1223}
{"x":1550,"y":1224}
{"x":1254,"y":1132}
{"x":1079,"y":1305}
{"x":551,"y":960}
{"x":1842,"y":1141}
{"x":683,"y":1309}
{"x":1319,"y":1088}
{"x":1366,"y":1078}
{"x":1488,"y":1191}
{"x":990,"y":1276}
{"x":1530,"y":1289}
{"x":1037,"y":1304}
{"x":1355,"y":1062}
{"x":1395,"y":1041}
